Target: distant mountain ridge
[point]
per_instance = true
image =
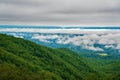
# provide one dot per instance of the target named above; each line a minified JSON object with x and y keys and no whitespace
{"x":61,"y":27}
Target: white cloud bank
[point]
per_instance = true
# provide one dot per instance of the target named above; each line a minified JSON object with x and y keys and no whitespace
{"x":87,"y":39}
{"x":111,"y":39}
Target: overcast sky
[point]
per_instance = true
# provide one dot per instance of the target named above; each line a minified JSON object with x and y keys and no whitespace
{"x":60,"y":12}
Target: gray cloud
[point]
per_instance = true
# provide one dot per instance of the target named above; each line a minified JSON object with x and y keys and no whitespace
{"x":60,"y":12}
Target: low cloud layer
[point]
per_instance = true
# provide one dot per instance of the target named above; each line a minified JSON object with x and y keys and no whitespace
{"x":110,"y":39}
{"x":85,"y":38}
{"x":60,"y":12}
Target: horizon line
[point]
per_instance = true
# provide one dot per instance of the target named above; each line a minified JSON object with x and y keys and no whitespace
{"x":59,"y":25}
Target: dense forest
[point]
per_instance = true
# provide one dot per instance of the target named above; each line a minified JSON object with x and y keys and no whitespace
{"x":25,"y":60}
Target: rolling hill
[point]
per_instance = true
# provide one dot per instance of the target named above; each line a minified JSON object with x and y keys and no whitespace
{"x":25,"y":60}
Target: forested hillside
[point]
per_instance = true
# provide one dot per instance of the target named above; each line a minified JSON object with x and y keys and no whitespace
{"x":24,"y":60}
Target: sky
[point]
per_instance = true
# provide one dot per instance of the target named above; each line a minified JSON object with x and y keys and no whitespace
{"x":60,"y":12}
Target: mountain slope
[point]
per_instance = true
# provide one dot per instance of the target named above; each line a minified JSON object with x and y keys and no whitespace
{"x":24,"y":60}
